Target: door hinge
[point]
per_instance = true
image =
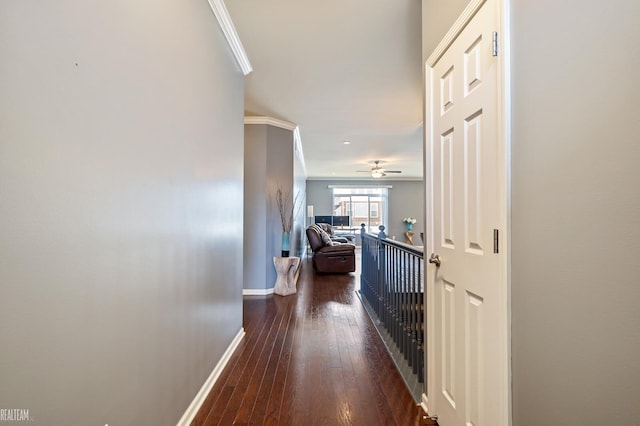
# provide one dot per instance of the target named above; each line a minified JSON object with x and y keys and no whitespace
{"x":496,"y":240}
{"x":494,"y":43}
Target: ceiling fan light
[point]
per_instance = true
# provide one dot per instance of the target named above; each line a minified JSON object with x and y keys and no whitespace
{"x":376,"y":174}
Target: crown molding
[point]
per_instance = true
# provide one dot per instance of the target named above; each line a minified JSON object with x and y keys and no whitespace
{"x":271,"y":122}
{"x":229,"y":30}
{"x":297,"y":141}
{"x":455,"y":30}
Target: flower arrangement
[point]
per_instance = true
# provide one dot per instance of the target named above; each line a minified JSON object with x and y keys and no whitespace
{"x":409,"y":220}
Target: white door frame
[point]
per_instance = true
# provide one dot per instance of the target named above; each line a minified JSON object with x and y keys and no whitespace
{"x":504,"y":131}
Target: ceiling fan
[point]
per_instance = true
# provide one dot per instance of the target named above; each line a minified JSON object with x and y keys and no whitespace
{"x":377,"y":172}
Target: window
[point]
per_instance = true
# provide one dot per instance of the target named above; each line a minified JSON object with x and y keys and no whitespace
{"x":374,"y":209}
{"x":363,"y":205}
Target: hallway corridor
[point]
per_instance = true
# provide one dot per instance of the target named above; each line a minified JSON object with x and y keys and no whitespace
{"x":312,"y":358}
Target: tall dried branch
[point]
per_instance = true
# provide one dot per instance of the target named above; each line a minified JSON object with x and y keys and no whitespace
{"x":286,"y":209}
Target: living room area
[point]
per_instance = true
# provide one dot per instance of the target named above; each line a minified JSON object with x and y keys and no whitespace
{"x":275,"y":161}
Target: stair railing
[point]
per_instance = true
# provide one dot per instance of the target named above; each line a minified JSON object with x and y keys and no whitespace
{"x":392,"y":283}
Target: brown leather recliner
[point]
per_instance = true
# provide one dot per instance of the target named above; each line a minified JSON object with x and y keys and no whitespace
{"x":329,"y":230}
{"x":328,"y":255}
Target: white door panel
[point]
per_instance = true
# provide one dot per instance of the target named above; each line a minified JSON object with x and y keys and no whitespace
{"x":464,"y":187}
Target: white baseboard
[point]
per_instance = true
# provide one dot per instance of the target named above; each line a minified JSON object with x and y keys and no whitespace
{"x":425,"y":404}
{"x":257,"y":291}
{"x":197,"y":402}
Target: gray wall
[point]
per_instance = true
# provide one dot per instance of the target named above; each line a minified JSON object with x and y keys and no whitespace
{"x":279,"y":173}
{"x":121,"y":208}
{"x":437,"y":17}
{"x":269,"y":163}
{"x":576,"y":212}
{"x":406,"y":198}
{"x":256,"y":202}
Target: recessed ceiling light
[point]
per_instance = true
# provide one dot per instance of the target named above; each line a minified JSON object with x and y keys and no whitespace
{"x":346,"y":143}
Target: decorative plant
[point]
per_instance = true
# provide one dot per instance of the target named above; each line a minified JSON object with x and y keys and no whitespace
{"x":285,"y":208}
{"x":409,"y":220}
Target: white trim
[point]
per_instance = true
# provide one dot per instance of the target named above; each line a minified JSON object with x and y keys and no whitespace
{"x":229,"y":30}
{"x":360,"y":186}
{"x":430,"y":367}
{"x":504,"y":108}
{"x":467,"y":14}
{"x":424,"y":403}
{"x":297,"y":143}
{"x":297,"y":140}
{"x":204,"y":391}
{"x":367,"y":179}
{"x":257,"y":291}
{"x":271,"y":122}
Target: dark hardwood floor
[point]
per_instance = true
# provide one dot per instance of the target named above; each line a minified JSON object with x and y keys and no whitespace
{"x":312,"y":358}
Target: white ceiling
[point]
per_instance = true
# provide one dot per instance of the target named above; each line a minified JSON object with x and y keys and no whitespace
{"x":342,"y":70}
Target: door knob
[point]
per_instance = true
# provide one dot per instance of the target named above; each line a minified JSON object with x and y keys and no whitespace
{"x":435,"y":259}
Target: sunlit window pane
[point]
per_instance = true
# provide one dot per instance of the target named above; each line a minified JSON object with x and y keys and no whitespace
{"x":362,"y":205}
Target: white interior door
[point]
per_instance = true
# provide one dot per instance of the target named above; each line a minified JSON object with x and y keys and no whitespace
{"x":467,"y":298}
